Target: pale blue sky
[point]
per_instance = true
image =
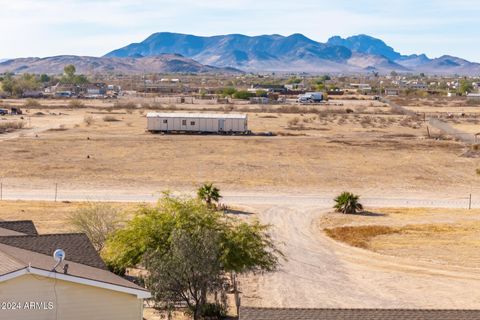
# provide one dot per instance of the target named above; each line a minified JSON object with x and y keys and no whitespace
{"x":95,"y":27}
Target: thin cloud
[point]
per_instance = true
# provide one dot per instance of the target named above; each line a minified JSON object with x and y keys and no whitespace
{"x":94,"y":27}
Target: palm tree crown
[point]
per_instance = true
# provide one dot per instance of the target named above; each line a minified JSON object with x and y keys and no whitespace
{"x":348,"y":203}
{"x":209,"y":193}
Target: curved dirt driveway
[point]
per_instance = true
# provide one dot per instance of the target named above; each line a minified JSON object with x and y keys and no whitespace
{"x":322,"y":273}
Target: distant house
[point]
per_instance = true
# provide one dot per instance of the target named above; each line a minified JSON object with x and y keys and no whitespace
{"x":259,"y":100}
{"x":361,"y":87}
{"x":418,"y":86}
{"x":392,"y":92}
{"x":355,"y":314}
{"x":273,"y":88}
{"x":35,"y":286}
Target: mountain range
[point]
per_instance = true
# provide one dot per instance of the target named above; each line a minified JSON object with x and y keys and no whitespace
{"x":295,"y":53}
{"x":162,"y":63}
{"x":173,"y":52}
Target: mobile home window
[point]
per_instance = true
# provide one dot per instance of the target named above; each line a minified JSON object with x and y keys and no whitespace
{"x":192,"y":123}
{"x":184,"y":122}
{"x":165,"y":121}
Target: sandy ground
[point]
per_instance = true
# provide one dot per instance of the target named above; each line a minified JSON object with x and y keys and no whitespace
{"x":320,"y":272}
{"x":323,"y":273}
{"x":370,"y":152}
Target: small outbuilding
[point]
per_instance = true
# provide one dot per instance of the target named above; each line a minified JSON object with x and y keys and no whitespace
{"x":473,"y":97}
{"x":197,"y":122}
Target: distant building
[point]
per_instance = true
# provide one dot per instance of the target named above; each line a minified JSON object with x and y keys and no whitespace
{"x":273,"y":88}
{"x":197,"y":122}
{"x":392,"y":92}
{"x":361,"y":87}
{"x":473,"y":97}
{"x":259,"y":100}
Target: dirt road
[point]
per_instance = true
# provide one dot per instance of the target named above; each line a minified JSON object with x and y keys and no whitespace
{"x":241,"y":198}
{"x":322,"y":273}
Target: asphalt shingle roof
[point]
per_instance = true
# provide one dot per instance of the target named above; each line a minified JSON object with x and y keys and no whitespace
{"x":23,"y":226}
{"x":247,"y":313}
{"x":76,"y":245}
{"x":13,"y":259}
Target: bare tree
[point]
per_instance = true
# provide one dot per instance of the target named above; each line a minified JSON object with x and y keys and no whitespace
{"x":98,"y":221}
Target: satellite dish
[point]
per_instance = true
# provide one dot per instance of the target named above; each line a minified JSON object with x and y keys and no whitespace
{"x":59,"y":255}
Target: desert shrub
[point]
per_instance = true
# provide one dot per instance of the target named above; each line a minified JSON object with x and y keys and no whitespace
{"x":473,"y":102}
{"x":31,"y":103}
{"x":366,"y":121}
{"x":98,"y":221}
{"x":289,"y":109}
{"x":110,"y":119}
{"x":11,"y":126}
{"x":76,"y":104}
{"x":88,"y":120}
{"x":293,"y":122}
{"x":213,"y":311}
{"x":125,"y":105}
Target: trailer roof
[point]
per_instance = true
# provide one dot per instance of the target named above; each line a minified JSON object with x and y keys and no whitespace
{"x":196,"y":115}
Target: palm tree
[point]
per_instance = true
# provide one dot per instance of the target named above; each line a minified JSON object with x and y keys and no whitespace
{"x":347,"y":203}
{"x":209,"y":193}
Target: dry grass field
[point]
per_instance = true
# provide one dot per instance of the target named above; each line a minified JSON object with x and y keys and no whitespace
{"x":440,"y":236}
{"x":370,"y":151}
{"x":49,"y":217}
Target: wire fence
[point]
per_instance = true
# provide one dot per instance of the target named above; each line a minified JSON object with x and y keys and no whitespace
{"x":444,"y":127}
{"x":57,"y":192}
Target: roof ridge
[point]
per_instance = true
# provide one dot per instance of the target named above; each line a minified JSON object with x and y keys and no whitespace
{"x":47,"y":235}
{"x":357,"y":309}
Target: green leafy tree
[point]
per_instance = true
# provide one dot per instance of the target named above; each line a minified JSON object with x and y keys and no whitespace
{"x":243,"y":95}
{"x":209,"y":193}
{"x":347,"y":203}
{"x":228,"y":92}
{"x":70,"y":77}
{"x":465,"y":87}
{"x":164,"y":229}
{"x":69,"y":71}
{"x":261,"y":93}
{"x":294,"y":80}
{"x":44,"y":78}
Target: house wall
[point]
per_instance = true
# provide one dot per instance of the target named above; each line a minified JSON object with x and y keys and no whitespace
{"x":66,"y":300}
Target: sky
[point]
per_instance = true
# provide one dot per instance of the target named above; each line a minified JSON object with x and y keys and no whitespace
{"x":40,"y":28}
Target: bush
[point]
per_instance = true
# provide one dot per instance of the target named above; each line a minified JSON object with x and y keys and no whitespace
{"x":11,"y":126}
{"x":110,"y":119}
{"x":31,"y":103}
{"x":88,"y":120}
{"x":98,"y":221}
{"x":213,"y":311}
{"x":243,"y":95}
{"x":125,"y":105}
{"x":76,"y":104}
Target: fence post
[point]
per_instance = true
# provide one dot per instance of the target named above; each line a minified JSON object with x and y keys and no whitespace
{"x":56,"y":191}
{"x":470,"y":202}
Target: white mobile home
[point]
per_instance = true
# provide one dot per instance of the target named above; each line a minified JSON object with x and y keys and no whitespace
{"x":197,"y":122}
